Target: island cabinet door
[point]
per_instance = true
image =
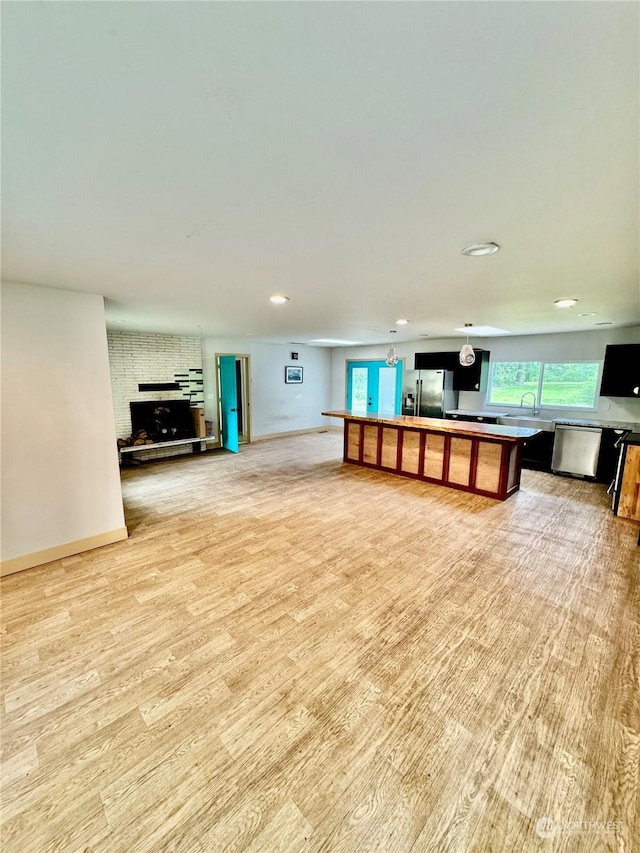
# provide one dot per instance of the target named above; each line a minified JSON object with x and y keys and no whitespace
{"x":352,"y":441}
{"x":488,"y":467}
{"x":459,"y":470}
{"x":410,"y":459}
{"x":371,"y":436}
{"x":389,"y":450}
{"x":434,"y":457}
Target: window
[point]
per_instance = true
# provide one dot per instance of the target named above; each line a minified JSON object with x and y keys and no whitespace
{"x":572,"y":384}
{"x":511,"y":379}
{"x":555,"y":385}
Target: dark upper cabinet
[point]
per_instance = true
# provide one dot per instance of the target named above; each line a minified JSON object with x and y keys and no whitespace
{"x":621,"y":373}
{"x":473,"y":378}
{"x":436,"y":360}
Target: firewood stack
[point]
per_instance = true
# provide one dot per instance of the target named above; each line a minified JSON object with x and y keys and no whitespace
{"x":138,"y":439}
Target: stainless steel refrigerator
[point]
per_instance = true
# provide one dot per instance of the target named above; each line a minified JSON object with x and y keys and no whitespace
{"x":428,"y":393}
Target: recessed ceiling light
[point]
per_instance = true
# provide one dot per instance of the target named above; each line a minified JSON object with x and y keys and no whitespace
{"x":401,"y":322}
{"x":278,"y":300}
{"x":478,"y":249}
{"x":120,"y":321}
{"x":565,"y":303}
{"x":483,"y":331}
{"x":603,"y":324}
{"x":588,"y":314}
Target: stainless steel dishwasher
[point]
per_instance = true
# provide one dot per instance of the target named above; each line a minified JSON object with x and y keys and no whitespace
{"x":575,"y":450}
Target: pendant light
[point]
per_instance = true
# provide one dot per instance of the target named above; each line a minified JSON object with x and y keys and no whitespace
{"x":392,"y":356}
{"x":467,"y":356}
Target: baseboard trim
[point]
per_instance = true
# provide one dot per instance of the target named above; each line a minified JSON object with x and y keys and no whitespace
{"x":271,"y":435}
{"x":58,"y":552}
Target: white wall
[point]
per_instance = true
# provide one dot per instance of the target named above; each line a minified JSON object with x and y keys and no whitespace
{"x":276,"y":407}
{"x":573,"y":346}
{"x":60,"y":475}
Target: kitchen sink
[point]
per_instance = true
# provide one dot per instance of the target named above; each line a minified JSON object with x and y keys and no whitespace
{"x":528,"y":423}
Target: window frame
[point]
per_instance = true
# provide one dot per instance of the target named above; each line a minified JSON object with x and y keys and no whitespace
{"x":538,"y":392}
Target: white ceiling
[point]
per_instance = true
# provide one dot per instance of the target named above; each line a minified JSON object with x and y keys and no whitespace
{"x":188,"y":159}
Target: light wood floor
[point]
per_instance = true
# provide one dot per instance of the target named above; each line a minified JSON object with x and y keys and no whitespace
{"x":292,"y":654}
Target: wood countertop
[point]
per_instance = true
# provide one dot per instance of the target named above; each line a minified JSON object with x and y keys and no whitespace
{"x":506,"y":433}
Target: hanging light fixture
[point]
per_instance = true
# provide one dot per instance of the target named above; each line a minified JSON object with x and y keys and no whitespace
{"x":467,"y":356}
{"x":392,"y":356}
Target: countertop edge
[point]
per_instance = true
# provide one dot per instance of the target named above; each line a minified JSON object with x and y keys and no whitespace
{"x":442,"y":425}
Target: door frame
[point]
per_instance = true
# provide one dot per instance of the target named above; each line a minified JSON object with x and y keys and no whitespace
{"x":245,"y":395}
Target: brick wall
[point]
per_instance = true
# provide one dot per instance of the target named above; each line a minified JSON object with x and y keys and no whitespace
{"x":135,"y":357}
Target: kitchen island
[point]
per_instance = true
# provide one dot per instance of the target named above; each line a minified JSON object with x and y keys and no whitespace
{"x":475,"y":457}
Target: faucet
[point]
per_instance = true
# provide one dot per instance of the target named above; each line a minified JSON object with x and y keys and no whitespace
{"x":534,"y":411}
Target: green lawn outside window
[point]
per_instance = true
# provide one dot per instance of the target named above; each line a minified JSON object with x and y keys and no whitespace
{"x":555,"y":384}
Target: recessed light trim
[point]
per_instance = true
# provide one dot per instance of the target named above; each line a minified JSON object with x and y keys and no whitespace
{"x":605,"y":323}
{"x":588,"y":314}
{"x":565,"y":302}
{"x":278,"y":299}
{"x":477,"y":250}
{"x":401,"y":322}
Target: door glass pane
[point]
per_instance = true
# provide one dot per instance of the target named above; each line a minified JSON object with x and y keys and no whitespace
{"x":359,"y":389}
{"x":387,"y":390}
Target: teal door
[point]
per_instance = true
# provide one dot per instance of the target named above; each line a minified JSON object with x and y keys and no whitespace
{"x":228,"y":402}
{"x":373,"y":386}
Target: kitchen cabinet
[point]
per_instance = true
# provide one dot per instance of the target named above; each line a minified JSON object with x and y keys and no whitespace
{"x":472,"y":378}
{"x":537,"y":452}
{"x":608,"y":457}
{"x":621,"y":372}
{"x":435,"y":360}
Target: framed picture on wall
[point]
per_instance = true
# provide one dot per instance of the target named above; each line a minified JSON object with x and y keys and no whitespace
{"x":293,"y":375}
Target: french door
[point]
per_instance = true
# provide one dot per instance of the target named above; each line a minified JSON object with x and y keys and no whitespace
{"x":373,"y":386}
